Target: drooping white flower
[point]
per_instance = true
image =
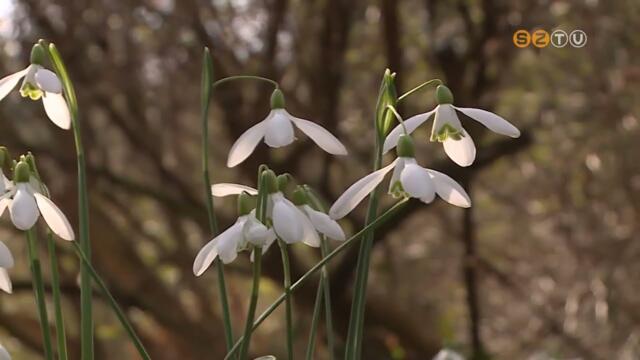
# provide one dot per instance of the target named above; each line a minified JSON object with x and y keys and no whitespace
{"x":409,"y":179}
{"x":6,"y":262}
{"x":40,"y":83}
{"x":4,"y":354}
{"x":246,"y":230}
{"x":448,"y":354}
{"x":320,"y":221}
{"x":277,"y":131}
{"x":448,"y":129}
{"x":26,"y":204}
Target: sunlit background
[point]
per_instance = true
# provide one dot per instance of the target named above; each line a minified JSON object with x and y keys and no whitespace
{"x":544,"y":266}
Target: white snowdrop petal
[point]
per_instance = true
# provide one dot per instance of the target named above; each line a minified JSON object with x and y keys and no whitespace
{"x":449,"y":190}
{"x":279,"y":130}
{"x":4,"y":203}
{"x":357,"y":192}
{"x":57,"y":110}
{"x":9,"y":82}
{"x":23,"y":208}
{"x":226,"y":189}
{"x":54,"y":217}
{"x":491,"y":121}
{"x":447,"y":354}
{"x":285,"y":222}
{"x":411,"y":124}
{"x":6,"y":259}
{"x":228,"y":247}
{"x":397,"y":170}
{"x":463,"y":151}
{"x":48,"y":81}
{"x":6,"y":286}
{"x":246,"y":143}
{"x":256,"y":233}
{"x":321,"y":136}
{"x":324,"y":224}
{"x":310,"y":236}
{"x":205,"y":257}
{"x":416,"y":181}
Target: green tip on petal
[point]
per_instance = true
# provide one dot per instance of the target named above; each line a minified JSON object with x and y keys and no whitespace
{"x":447,"y":132}
{"x":22,"y":172}
{"x":38,"y":54}
{"x":300,"y":196}
{"x":277,"y":99}
{"x":31,"y":91}
{"x":405,"y":146}
{"x":271,"y":181}
{"x":246,"y":203}
{"x":444,"y":95}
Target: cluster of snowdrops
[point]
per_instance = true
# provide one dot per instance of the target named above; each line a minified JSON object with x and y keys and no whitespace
{"x":278,"y":208}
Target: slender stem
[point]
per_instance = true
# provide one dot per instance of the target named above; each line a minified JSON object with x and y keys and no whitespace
{"x":324,"y":248}
{"x":245,"y":77}
{"x":57,"y":299}
{"x":324,"y":279}
{"x":38,"y":290}
{"x":417,"y":88}
{"x":315,"y":320}
{"x":86,"y":297}
{"x":255,"y":290}
{"x":318,"y":266}
{"x":207,"y":73}
{"x":112,"y":302}
{"x":286,"y":268}
{"x":356,"y":321}
{"x":395,"y":112}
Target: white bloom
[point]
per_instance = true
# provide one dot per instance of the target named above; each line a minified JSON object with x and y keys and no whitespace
{"x":408,"y":177}
{"x":246,"y":230}
{"x":291,"y":223}
{"x":277,"y":131}
{"x":447,"y":354}
{"x":25,"y":206}
{"x":4,"y":354}
{"x":448,"y":129}
{"x":40,"y":83}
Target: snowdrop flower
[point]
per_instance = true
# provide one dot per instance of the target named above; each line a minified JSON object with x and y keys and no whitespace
{"x":6,"y":262}
{"x":247,"y":230}
{"x":447,"y":354}
{"x":4,"y":354}
{"x":448,"y":129}
{"x":40,"y":83}
{"x":26,"y":203}
{"x":277,"y":131}
{"x":409,"y":179}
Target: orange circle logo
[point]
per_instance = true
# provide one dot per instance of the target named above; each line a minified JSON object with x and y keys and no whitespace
{"x":540,"y":38}
{"x":521,"y":38}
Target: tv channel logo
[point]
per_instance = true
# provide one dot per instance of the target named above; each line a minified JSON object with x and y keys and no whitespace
{"x":541,"y":38}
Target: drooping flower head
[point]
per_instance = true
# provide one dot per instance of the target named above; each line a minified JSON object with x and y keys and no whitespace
{"x":448,"y":129}
{"x":26,"y":203}
{"x":277,"y":131}
{"x":321,"y":222}
{"x":40,"y":83}
{"x":247,"y":231}
{"x":408,"y":180}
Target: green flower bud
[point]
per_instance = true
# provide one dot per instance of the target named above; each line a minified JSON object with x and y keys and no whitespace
{"x":283,"y":181}
{"x":22,"y":172}
{"x":387,"y":96}
{"x":444,"y":95}
{"x":405,"y":146}
{"x":277,"y":99}
{"x":246,"y":203}
{"x":38,"y":54}
{"x":300,"y":197}
{"x":271,"y":181}
{"x":5,"y":158}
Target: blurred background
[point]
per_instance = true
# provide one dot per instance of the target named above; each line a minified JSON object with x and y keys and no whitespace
{"x":544,"y":266}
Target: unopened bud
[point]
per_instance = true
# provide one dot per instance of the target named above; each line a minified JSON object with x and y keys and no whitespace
{"x":387,"y":96}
